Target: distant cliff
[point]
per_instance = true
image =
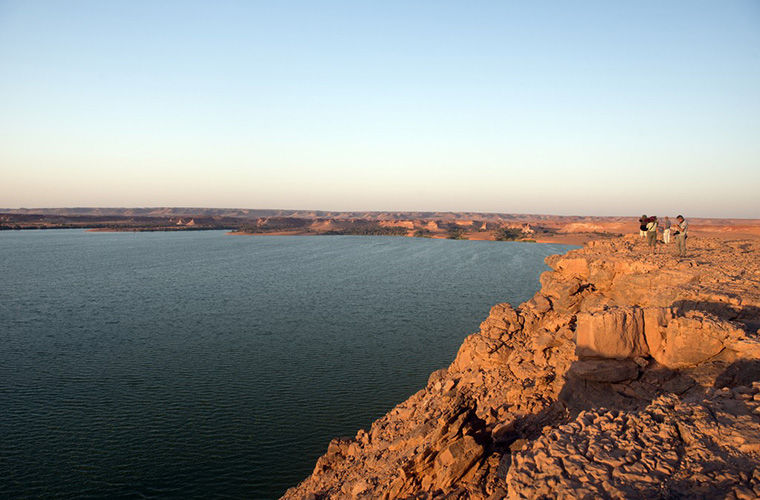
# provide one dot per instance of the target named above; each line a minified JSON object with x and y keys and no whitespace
{"x":628,"y":375}
{"x":454,"y":225}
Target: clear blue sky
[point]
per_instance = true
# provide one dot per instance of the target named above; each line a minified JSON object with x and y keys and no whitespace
{"x":606,"y":108}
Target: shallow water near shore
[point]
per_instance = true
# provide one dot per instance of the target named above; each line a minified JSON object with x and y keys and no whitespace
{"x":201,"y":365}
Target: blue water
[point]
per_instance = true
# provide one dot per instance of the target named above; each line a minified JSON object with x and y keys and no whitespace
{"x":198,"y":364}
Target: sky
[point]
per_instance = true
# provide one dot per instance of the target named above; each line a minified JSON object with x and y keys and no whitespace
{"x":552,"y":107}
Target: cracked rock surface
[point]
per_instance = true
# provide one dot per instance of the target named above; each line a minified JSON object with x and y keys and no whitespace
{"x":628,"y":375}
{"x":669,"y":449}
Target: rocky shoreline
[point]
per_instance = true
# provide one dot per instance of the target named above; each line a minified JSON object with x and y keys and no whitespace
{"x":628,"y":375}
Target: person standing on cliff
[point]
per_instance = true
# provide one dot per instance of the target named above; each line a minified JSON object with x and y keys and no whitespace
{"x":681,"y":233}
{"x":652,"y":232}
{"x":643,"y":225}
{"x":666,"y":230}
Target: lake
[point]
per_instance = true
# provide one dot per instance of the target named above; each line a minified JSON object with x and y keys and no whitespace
{"x":197,"y":364}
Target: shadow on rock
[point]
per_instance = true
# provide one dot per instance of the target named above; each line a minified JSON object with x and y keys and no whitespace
{"x":739,"y":373}
{"x":620,"y":384}
{"x":747,"y":316}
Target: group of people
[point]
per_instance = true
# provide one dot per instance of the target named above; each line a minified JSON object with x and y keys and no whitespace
{"x":648,"y":227}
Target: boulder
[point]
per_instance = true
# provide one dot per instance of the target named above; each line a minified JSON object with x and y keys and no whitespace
{"x":574,"y":266}
{"x":614,"y":333}
{"x":693,"y":339}
{"x":456,"y":459}
{"x":539,"y":304}
{"x":565,"y":294}
{"x":655,"y":321}
{"x":502,"y":319}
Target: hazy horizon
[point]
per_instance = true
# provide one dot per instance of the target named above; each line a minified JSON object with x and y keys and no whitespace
{"x":527,"y":214}
{"x":586,"y":109}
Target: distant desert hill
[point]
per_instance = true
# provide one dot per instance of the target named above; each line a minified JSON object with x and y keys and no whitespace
{"x":457,"y":225}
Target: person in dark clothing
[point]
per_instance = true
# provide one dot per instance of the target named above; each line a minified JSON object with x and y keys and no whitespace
{"x":643,"y":225}
{"x":681,"y":233}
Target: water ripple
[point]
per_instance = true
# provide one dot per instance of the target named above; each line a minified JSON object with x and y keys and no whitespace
{"x":195,"y":365}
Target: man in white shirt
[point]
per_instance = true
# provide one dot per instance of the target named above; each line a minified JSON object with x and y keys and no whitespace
{"x":666,"y":230}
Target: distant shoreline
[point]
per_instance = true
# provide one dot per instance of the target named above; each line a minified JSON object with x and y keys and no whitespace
{"x":574,"y":230}
{"x":569,"y":239}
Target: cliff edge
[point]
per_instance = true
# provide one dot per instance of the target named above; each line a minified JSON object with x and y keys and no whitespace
{"x":628,"y":375}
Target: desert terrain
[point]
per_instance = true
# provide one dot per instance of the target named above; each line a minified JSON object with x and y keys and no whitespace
{"x":453,"y":225}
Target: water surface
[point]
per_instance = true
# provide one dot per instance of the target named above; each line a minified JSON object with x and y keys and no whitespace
{"x":197,"y":364}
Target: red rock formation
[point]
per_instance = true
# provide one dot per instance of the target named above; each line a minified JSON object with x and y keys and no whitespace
{"x":628,"y":375}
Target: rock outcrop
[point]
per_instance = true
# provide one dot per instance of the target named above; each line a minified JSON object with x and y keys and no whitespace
{"x":628,"y":375}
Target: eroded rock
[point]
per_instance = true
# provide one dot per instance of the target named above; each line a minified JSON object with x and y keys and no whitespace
{"x":615,"y":333}
{"x":629,"y":375}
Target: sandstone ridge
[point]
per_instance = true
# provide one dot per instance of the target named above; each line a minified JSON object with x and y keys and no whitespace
{"x":628,"y":375}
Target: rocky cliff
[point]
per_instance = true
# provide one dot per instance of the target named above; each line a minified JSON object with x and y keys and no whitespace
{"x":628,"y":375}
